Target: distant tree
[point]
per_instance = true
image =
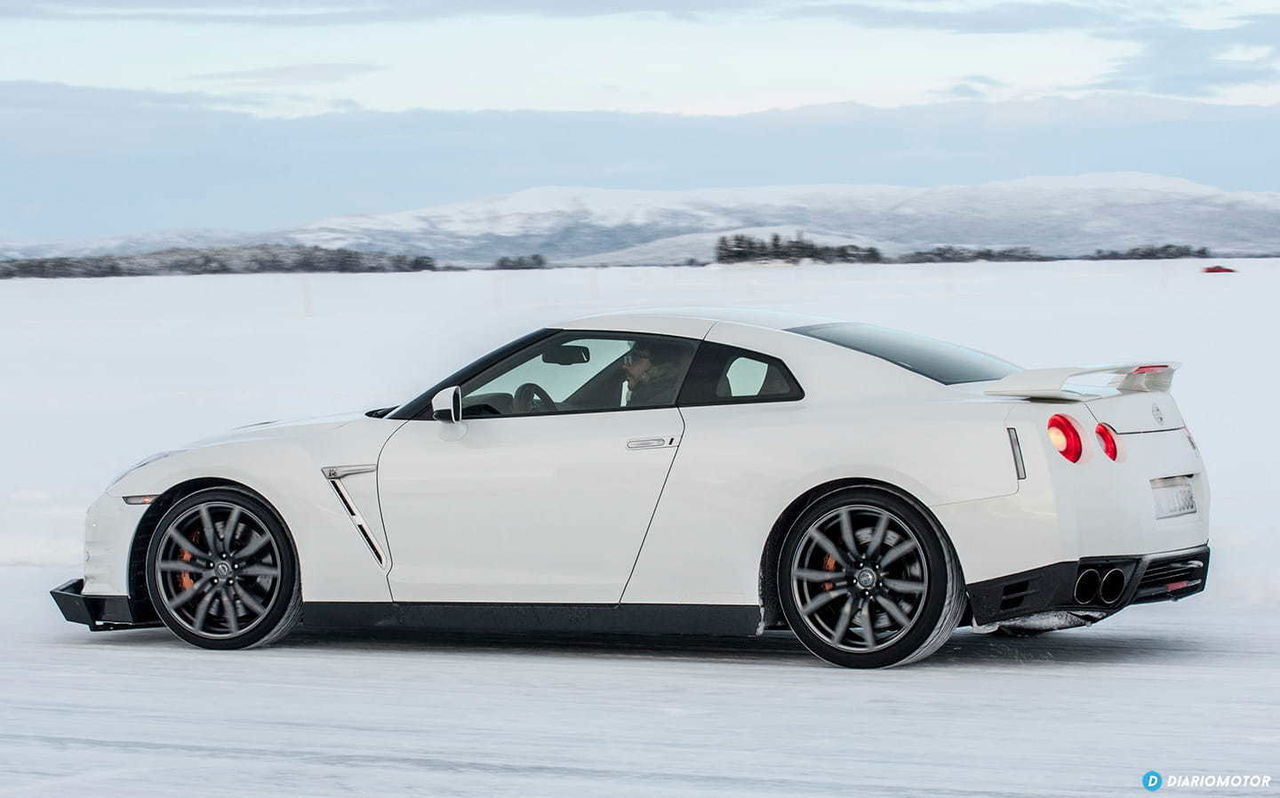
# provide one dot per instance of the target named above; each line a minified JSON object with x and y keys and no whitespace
{"x":742,"y":248}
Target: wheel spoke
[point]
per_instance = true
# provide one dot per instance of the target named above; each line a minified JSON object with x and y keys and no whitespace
{"x":229,"y":529}
{"x":249,"y":601}
{"x":864,"y":624}
{"x":842,"y":624}
{"x":229,"y":611}
{"x":895,"y":612}
{"x":182,"y":566}
{"x":903,"y":586}
{"x":260,"y":570}
{"x":188,"y":594}
{"x":202,"y":610}
{"x":893,"y":554}
{"x":206,"y":523}
{"x":810,"y":575}
{"x":186,"y":545}
{"x":846,"y":532}
{"x":822,"y":599}
{"x":877,"y":537}
{"x":827,"y":546}
{"x":253,"y":547}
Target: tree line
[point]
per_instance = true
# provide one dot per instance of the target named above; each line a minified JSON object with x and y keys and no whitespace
{"x":218,"y":260}
{"x":743,"y":248}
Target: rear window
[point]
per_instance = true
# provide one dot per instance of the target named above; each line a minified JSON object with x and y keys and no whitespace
{"x":938,"y":360}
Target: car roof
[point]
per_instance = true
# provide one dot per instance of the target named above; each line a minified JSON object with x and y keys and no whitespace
{"x":684,"y":320}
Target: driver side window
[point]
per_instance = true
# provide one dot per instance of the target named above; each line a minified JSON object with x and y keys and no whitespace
{"x":576,"y":372}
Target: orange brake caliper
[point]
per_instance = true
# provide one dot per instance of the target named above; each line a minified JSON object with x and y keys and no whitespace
{"x":828,"y":564}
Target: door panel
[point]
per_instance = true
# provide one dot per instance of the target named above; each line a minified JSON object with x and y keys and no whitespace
{"x":539,"y":508}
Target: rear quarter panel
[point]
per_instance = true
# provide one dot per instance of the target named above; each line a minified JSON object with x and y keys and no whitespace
{"x":739,"y":466}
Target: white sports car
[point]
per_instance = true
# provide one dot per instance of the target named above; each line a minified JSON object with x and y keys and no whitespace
{"x":692,"y":471}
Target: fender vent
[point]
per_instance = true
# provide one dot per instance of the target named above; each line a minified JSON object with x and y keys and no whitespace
{"x":357,"y":520}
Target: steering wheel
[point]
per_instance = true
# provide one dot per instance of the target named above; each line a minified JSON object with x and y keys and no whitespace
{"x":525,"y":396}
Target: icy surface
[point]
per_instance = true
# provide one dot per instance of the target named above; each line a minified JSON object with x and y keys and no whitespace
{"x":99,"y":373}
{"x":1181,"y":688}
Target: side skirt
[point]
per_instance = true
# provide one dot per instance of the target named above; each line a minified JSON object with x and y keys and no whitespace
{"x":718,"y":620}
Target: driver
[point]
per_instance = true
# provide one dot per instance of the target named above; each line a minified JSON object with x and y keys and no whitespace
{"x":653,"y":373}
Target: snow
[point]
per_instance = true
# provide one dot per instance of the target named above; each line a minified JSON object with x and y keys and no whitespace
{"x":99,"y":373}
{"x":1179,"y":688}
{"x":1062,"y":216}
{"x":102,"y":372}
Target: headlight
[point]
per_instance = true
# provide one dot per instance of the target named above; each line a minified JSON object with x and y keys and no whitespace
{"x":144,"y":461}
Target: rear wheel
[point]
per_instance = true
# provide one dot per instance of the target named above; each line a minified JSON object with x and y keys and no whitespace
{"x":867,"y":580}
{"x":222,"y":572}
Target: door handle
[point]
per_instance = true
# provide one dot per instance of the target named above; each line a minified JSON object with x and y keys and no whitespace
{"x":650,"y":443}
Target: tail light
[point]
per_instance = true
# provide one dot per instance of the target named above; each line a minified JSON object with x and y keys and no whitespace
{"x":1107,"y":437}
{"x":1065,"y":438}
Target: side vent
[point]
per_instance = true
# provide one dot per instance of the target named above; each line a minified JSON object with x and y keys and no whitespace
{"x":335,"y":475}
{"x":1018,"y":465}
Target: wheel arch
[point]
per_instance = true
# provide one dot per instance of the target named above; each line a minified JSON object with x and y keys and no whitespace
{"x":147,"y":524}
{"x":770,"y":608}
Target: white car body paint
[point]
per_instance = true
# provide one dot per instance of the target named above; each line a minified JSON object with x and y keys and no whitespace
{"x":557,"y":509}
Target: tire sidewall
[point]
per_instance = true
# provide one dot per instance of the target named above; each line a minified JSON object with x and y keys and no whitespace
{"x":288,"y":568}
{"x":937,"y":558}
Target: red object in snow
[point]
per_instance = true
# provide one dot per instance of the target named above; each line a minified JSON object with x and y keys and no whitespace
{"x":1218,"y":270}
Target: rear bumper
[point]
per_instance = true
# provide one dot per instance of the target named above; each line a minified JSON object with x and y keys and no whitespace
{"x":102,"y":613}
{"x":1167,"y":576}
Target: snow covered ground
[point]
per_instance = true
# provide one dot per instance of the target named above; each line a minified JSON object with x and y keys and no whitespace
{"x":1182,"y":689}
{"x":99,"y":373}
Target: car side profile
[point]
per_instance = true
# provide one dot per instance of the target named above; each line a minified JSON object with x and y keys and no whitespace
{"x":693,"y":471}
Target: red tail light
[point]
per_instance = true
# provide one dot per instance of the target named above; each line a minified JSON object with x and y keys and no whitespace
{"x":1065,"y":438}
{"x":1107,"y":437}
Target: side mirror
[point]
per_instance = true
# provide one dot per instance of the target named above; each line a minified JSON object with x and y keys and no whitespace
{"x":567,"y":355}
{"x":447,"y":405}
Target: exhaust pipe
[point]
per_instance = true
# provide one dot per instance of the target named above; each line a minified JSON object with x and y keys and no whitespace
{"x":1087,"y":585}
{"x":1112,"y":586}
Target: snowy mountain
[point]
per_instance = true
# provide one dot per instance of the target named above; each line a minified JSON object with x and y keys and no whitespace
{"x":1053,"y":215}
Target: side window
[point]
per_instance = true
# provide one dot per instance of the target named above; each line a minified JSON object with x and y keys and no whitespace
{"x":577,"y":372}
{"x":726,"y":375}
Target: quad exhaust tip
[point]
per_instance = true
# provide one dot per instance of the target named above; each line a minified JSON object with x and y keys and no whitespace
{"x":1087,"y":584}
{"x":1112,"y":586}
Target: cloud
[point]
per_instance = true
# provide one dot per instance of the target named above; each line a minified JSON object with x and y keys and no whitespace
{"x":998,"y":18}
{"x":1197,"y":62}
{"x":970,"y":87}
{"x":301,"y":13}
{"x":1173,"y":57}
{"x":290,"y":75}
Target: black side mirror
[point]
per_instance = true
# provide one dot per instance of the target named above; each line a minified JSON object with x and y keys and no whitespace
{"x":567,"y":355}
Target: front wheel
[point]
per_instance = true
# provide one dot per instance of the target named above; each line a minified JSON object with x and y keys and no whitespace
{"x":867,"y":580}
{"x":222,"y":572}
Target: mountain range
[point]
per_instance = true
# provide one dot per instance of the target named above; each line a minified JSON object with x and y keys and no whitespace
{"x":1061,"y":216}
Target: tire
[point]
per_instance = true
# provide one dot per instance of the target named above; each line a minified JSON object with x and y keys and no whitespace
{"x":220,"y":593}
{"x":895,"y":593}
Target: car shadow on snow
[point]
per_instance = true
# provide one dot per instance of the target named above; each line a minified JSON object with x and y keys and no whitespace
{"x":964,"y":647}
{"x":776,"y":648}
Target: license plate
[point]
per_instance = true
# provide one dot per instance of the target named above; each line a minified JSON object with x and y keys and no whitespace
{"x":1173,"y":497}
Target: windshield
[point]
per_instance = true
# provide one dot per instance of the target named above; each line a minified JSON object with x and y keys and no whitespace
{"x":938,"y":360}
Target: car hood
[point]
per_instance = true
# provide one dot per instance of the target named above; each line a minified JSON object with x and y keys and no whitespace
{"x":275,"y":430}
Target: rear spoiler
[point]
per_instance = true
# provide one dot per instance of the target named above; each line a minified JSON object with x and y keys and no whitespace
{"x":1052,"y":383}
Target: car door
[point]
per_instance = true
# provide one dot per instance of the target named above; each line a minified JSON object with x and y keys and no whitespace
{"x":538,"y":494}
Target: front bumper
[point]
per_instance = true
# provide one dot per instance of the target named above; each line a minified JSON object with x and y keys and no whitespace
{"x":102,"y":613}
{"x":1167,"y":576}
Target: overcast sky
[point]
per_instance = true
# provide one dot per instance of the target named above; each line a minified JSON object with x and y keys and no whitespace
{"x":289,"y":57}
{"x":122,"y":116}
